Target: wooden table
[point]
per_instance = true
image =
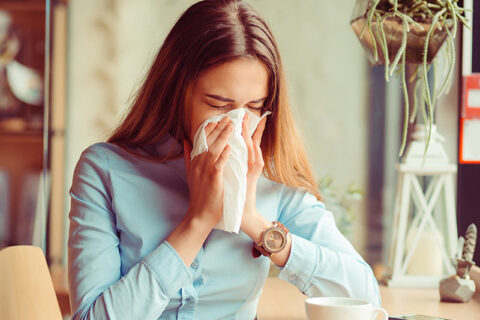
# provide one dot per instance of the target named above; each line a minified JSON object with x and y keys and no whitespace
{"x":282,"y":301}
{"x":400,"y":301}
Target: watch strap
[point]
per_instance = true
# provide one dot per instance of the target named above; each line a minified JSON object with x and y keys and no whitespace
{"x":280,"y":225}
{"x":261,"y":251}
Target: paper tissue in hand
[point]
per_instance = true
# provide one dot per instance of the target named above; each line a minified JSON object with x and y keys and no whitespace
{"x":236,"y":167}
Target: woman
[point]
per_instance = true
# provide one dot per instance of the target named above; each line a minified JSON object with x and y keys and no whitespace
{"x":142,"y":243}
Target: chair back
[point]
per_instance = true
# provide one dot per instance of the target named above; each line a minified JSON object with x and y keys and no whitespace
{"x":26,"y":288}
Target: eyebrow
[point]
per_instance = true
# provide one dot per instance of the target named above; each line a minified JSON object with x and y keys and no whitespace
{"x":214,"y":96}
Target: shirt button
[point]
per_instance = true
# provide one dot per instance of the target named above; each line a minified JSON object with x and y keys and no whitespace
{"x":188,"y":300}
{"x":292,"y":278}
{"x":194,"y":265}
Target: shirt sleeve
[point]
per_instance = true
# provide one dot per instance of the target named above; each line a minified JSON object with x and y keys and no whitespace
{"x":97,"y":288}
{"x":322,"y":261}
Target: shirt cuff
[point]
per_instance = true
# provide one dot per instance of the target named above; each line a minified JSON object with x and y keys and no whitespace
{"x":168,"y":268}
{"x":301,"y":263}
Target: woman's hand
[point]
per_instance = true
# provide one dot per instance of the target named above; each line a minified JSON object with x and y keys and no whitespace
{"x":253,"y":223}
{"x":255,"y":160}
{"x":205,"y":186}
{"x":205,"y":173}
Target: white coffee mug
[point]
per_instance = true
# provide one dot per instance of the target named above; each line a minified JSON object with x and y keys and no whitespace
{"x":339,"y":308}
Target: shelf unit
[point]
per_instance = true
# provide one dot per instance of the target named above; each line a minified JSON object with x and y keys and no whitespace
{"x":22,"y":147}
{"x":21,"y":128}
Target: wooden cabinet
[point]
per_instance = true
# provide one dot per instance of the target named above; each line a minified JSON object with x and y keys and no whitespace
{"x":31,"y":158}
{"x":22,"y":112}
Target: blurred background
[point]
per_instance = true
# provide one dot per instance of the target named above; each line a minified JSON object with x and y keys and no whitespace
{"x":69,"y":68}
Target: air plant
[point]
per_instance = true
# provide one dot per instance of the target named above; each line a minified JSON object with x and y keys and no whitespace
{"x":423,"y":25}
{"x":466,"y":250}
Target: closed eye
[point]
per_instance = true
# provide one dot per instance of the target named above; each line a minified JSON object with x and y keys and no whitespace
{"x":220,"y":107}
{"x":231,"y":101}
{"x":228,"y":106}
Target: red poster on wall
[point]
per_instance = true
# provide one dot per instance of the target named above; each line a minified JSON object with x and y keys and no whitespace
{"x":471,"y":96}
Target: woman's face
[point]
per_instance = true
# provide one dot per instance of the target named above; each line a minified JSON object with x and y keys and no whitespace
{"x":240,"y":83}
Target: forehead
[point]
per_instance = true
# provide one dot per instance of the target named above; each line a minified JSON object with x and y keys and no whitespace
{"x":239,"y":79}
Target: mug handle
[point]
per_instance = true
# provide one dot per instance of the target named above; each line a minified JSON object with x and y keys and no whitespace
{"x":377,"y":310}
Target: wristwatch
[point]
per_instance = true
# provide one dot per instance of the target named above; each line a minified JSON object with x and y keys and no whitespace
{"x":273,"y":240}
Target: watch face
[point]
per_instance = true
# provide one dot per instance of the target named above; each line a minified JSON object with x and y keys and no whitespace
{"x":274,"y":240}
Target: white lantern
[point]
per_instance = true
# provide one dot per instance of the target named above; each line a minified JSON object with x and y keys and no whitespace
{"x":432,"y":240}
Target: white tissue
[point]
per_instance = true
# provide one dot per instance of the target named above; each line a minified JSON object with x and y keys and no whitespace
{"x":236,"y":167}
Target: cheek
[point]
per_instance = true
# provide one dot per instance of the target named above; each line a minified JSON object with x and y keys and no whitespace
{"x":198,"y":116}
{"x":194,"y":124}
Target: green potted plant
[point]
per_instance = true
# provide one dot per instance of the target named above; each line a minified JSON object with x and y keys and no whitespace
{"x":398,"y":33}
{"x":341,"y":205}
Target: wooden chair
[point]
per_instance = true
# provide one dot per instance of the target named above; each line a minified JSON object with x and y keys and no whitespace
{"x":26,"y":289}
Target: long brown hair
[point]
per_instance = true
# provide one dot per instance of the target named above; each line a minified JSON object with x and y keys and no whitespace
{"x":208,"y":33}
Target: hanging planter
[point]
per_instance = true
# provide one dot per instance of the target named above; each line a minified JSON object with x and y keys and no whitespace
{"x":400,"y":32}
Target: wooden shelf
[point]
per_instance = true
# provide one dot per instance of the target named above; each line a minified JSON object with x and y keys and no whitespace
{"x":22,"y":149}
{"x":16,"y":5}
{"x":7,"y":138}
{"x":21,"y":152}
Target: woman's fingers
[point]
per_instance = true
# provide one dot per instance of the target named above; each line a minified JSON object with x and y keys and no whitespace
{"x":219,"y":133}
{"x":257,"y":135}
{"x":209,"y":128}
{"x":222,"y":159}
{"x":214,"y":134}
{"x":248,"y":139}
{"x":258,"y":155}
{"x":217,"y":147}
{"x":245,"y":133}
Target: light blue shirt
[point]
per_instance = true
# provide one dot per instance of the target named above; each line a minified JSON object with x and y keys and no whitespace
{"x":120,"y":266}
